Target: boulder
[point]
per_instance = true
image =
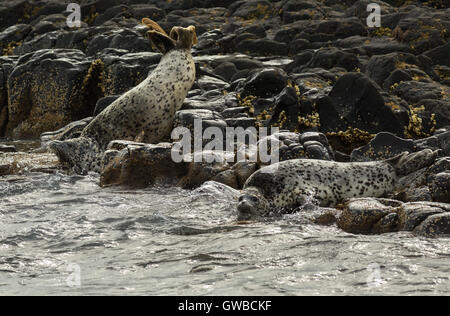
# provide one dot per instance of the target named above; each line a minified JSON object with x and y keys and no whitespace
{"x":49,"y":89}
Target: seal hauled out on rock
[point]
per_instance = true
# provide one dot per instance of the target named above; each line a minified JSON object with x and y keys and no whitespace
{"x":292,"y":183}
{"x":147,"y":109}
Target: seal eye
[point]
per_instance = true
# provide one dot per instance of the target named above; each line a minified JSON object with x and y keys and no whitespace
{"x":241,"y":198}
{"x":254,"y":199}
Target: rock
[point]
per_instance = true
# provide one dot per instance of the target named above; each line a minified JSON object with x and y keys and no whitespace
{"x":387,"y":224}
{"x":333,"y":57}
{"x":218,"y":104}
{"x":423,"y":31}
{"x":209,"y":83}
{"x":440,"y":187}
{"x":18,"y":163}
{"x":380,"y":67}
{"x":361,"y":215}
{"x":7,"y":149}
{"x":439,"y":55}
{"x":65,"y":87}
{"x":435,"y":226}
{"x":439,"y":108}
{"x":439,"y":141}
{"x":265,"y":83}
{"x":252,"y":9}
{"x":125,"y":39}
{"x":199,"y":170}
{"x":226,"y":70}
{"x":412,"y":215}
{"x":244,"y":122}
{"x":415,"y":91}
{"x":262,"y":47}
{"x":13,"y":34}
{"x":383,"y":146}
{"x":187,"y":118}
{"x":358,"y":101}
{"x":143,"y":165}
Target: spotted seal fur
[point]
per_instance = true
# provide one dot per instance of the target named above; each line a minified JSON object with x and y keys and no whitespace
{"x":283,"y":187}
{"x":147,"y":110}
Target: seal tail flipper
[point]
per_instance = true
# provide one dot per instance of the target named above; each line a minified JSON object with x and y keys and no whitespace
{"x":407,"y":163}
{"x":81,"y":154}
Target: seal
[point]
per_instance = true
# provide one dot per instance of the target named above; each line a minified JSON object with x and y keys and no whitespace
{"x":285,"y":186}
{"x":147,"y":110}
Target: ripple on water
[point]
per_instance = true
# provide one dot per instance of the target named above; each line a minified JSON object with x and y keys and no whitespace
{"x":167,"y":241}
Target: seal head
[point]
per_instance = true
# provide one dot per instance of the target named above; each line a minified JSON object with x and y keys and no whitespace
{"x":252,"y":205}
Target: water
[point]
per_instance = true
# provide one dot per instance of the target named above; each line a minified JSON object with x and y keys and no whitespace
{"x":64,"y":235}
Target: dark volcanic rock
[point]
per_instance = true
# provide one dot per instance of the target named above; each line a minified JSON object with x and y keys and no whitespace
{"x":265,"y":83}
{"x":383,"y":146}
{"x":440,"y":187}
{"x":357,"y":100}
{"x":435,"y":226}
{"x":47,"y":90}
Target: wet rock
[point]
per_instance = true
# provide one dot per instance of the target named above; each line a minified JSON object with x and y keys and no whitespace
{"x":412,"y":215}
{"x":440,"y":109}
{"x":380,"y":67}
{"x":226,"y":70}
{"x":286,"y":109}
{"x":56,"y":74}
{"x":125,"y":39}
{"x":440,"y":187}
{"x":187,"y":118}
{"x":143,"y":165}
{"x":439,"y":141}
{"x":219,"y":103}
{"x":439,"y":55}
{"x":205,"y":166}
{"x":244,"y":122}
{"x":7,"y":149}
{"x":361,"y":215}
{"x":333,"y":57}
{"x":253,"y":9}
{"x":13,"y":34}
{"x":209,"y":83}
{"x":262,"y":47}
{"x":387,"y":224}
{"x":358,"y":101}
{"x":415,"y":91}
{"x":383,"y":146}
{"x":15,"y":163}
{"x":423,"y":31}
{"x":265,"y":83}
{"x":435,"y":226}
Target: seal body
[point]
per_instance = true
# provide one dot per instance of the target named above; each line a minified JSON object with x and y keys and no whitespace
{"x":148,"y":108}
{"x":289,"y":184}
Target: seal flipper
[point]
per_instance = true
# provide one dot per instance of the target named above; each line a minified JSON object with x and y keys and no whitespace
{"x":407,"y":163}
{"x":81,"y":154}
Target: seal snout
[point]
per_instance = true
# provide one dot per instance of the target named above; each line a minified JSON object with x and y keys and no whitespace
{"x":246,"y":208}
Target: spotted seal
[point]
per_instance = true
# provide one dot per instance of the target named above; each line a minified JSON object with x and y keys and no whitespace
{"x":147,"y":110}
{"x":283,"y":187}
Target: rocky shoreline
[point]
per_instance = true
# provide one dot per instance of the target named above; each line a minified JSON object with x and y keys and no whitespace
{"x":336,"y":89}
